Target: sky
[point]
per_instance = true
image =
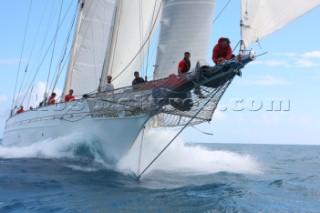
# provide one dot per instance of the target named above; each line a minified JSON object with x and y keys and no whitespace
{"x":289,"y":72}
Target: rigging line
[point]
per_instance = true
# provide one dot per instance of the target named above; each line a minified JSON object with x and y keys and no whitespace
{"x":221,"y":12}
{"x":65,"y":54}
{"x":142,"y":45}
{"x":140,"y":35}
{"x":93,"y":50}
{"x":79,"y":28}
{"x":23,"y":43}
{"x":117,"y":19}
{"x":173,"y":139}
{"x":24,"y":75}
{"x":148,"y":53}
{"x":239,"y":42}
{"x":47,"y":51}
{"x":35,"y":41}
{"x":37,"y":31}
{"x":30,"y":96}
{"x":53,"y":50}
{"x":43,"y":42}
{"x":203,"y":132}
{"x":140,"y":152}
{"x":42,"y":47}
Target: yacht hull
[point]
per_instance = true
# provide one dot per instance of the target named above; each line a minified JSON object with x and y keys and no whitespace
{"x":115,"y":135}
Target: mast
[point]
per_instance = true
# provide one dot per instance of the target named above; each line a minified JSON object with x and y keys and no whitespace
{"x":112,"y":45}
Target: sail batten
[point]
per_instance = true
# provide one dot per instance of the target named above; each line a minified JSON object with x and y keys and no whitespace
{"x":260,"y":18}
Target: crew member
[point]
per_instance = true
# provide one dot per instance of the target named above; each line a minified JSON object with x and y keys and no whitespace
{"x":222,"y":51}
{"x":109,"y":86}
{"x":137,"y":80}
{"x":52,"y":99}
{"x":184,"y":64}
{"x":20,"y":110}
{"x":70,"y":96}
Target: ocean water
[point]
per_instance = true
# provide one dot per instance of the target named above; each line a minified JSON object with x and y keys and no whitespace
{"x":70,"y":175}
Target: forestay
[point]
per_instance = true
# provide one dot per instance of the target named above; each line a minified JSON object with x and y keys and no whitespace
{"x":185,"y":26}
{"x":262,"y":17}
{"x":90,"y":45}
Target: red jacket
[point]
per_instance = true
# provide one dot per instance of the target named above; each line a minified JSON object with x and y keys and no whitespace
{"x":184,"y":66}
{"x":69,"y":98}
{"x":219,"y":51}
{"x":20,"y":111}
{"x":52,"y":101}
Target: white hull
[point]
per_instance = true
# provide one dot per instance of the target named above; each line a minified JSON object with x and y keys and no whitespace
{"x":115,"y":134}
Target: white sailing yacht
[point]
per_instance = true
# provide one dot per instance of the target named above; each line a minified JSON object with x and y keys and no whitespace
{"x":113,"y":37}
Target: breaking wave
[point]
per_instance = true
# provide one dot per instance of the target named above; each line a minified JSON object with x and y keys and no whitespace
{"x":178,"y":158}
{"x":182,"y":158}
{"x":75,"y":145}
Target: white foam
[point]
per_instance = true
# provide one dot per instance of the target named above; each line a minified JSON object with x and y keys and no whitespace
{"x":178,"y":158}
{"x":61,"y":147}
{"x":181,"y":158}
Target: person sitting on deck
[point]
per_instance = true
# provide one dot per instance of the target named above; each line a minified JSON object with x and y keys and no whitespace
{"x":184,"y":64}
{"x":70,"y":96}
{"x":20,"y":110}
{"x":184,"y":67}
{"x":52,"y":99}
{"x":137,"y":80}
{"x":222,"y":51}
{"x":109,"y":86}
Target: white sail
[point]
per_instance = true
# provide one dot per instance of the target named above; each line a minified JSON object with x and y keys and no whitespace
{"x":90,"y":45}
{"x":185,"y":26}
{"x":135,"y":24}
{"x":262,"y":17}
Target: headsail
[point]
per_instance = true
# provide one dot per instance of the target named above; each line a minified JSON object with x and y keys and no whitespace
{"x":262,"y":17}
{"x":90,"y":45}
{"x":134,"y":26}
{"x":185,"y":26}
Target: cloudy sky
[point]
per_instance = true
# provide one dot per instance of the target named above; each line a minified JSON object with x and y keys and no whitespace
{"x":289,"y":74}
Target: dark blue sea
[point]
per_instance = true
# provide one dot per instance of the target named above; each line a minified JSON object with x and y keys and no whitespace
{"x":68,"y":176}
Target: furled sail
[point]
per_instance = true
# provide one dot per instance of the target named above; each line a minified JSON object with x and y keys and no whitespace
{"x":134,"y":26}
{"x":90,"y":45}
{"x":185,"y":26}
{"x":262,"y":17}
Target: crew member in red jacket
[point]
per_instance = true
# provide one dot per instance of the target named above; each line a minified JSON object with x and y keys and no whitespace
{"x":70,"y":96}
{"x":20,"y":110}
{"x":52,"y":99}
{"x":222,"y":51}
{"x":184,"y":64}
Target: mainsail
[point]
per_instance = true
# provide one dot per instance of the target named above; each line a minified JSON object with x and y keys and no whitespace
{"x":185,"y":26}
{"x":259,"y":18}
{"x":90,"y":45}
{"x":135,"y":25}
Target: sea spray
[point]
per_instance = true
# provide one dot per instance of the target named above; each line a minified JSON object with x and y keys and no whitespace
{"x":70,"y":146}
{"x":190,"y":159}
{"x":182,"y":158}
